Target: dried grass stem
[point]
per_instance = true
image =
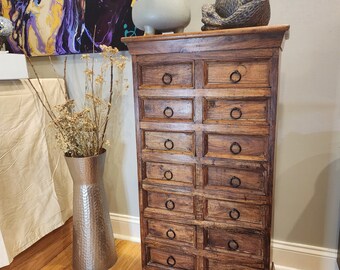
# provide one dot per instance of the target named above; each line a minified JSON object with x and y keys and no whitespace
{"x":83,"y":133}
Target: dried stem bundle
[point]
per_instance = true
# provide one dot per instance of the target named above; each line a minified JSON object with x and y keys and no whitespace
{"x":82,"y":133}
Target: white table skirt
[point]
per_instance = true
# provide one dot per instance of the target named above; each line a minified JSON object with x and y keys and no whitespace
{"x":35,"y":185}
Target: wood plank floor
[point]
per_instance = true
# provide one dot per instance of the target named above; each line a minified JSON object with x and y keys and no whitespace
{"x":128,"y":258}
{"x":54,"y":252}
{"x":44,"y":250}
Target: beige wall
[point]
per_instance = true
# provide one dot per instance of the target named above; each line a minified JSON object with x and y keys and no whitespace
{"x":308,"y":146}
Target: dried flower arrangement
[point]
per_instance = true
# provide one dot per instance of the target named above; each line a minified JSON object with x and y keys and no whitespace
{"x":82,"y":133}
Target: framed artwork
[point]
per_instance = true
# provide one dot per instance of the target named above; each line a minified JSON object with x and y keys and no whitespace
{"x":57,"y":27}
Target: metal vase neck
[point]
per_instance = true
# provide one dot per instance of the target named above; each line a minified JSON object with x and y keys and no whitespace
{"x":86,"y":170}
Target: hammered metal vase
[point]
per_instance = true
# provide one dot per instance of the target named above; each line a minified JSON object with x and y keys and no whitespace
{"x":93,"y":240}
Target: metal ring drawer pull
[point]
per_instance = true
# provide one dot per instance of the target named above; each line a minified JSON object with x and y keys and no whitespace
{"x":168,"y":112}
{"x":170,"y":205}
{"x":169,"y":144}
{"x":168,"y":175}
{"x":167,"y":78}
{"x":235,"y":182}
{"x":236,"y":113}
{"x":171,"y":261}
{"x":171,"y":234}
{"x":235,"y":76}
{"x":235,"y":148}
{"x":234,"y":214}
{"x":233,"y":245}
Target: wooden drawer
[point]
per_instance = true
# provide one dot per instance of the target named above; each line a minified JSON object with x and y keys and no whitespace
{"x":174,"y":232}
{"x":221,"y":74}
{"x":167,"y":109}
{"x":231,"y":179}
{"x":171,"y":202}
{"x":179,"y":142}
{"x":170,"y":173}
{"x":223,"y":110}
{"x":233,"y":213}
{"x":236,"y":146}
{"x":164,"y":259}
{"x":169,"y":75}
{"x":218,"y":265}
{"x":238,"y":241}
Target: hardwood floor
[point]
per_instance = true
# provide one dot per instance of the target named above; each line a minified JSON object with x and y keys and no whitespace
{"x":54,"y":252}
{"x":43,"y":251}
{"x":128,"y":258}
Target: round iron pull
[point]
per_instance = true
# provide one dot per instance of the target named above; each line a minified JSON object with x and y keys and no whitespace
{"x":235,"y":182}
{"x":233,"y":245}
{"x":167,"y":78}
{"x":169,"y":144}
{"x":236,"y":113}
{"x":235,"y":148}
{"x":234,"y":214}
{"x":170,"y":205}
{"x":235,"y":76}
{"x":171,"y":234}
{"x":168,"y":175}
{"x":171,"y":261}
{"x":168,"y":112}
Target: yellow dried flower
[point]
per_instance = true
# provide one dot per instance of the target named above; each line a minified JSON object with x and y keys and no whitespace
{"x":108,"y":49}
{"x":85,"y":57}
{"x":99,"y":79}
{"x":88,"y":72}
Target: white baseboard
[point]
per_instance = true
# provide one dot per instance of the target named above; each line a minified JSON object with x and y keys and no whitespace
{"x":125,"y":227}
{"x":280,"y":267}
{"x":292,"y":256}
{"x":286,"y":255}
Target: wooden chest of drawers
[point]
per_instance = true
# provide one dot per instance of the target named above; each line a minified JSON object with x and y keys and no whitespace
{"x":205,"y":117}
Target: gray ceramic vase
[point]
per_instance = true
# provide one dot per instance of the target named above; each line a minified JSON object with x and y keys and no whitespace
{"x":93,"y":241}
{"x":158,"y":16}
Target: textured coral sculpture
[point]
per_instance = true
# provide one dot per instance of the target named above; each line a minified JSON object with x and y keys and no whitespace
{"x":235,"y":13}
{"x":6,"y":28}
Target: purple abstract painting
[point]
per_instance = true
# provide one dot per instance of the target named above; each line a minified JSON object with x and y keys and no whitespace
{"x":57,"y":27}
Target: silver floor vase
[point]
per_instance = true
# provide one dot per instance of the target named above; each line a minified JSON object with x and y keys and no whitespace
{"x":93,"y":240}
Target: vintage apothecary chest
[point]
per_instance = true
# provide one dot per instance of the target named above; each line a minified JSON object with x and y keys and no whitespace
{"x":205,"y":106}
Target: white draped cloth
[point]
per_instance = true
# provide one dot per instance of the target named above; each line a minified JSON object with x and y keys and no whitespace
{"x":35,"y":184}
